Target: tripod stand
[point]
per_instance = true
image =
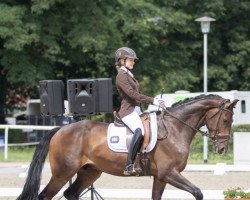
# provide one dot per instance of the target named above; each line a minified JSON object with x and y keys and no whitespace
{"x":93,"y":193}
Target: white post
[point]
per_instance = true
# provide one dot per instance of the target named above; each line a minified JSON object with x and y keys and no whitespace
{"x":6,"y":133}
{"x":205,"y":63}
{"x":205,"y":139}
{"x":205,"y":26}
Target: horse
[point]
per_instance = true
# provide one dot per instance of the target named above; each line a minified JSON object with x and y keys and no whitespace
{"x":81,"y":149}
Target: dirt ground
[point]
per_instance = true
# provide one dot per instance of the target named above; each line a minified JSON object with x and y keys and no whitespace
{"x":9,"y":178}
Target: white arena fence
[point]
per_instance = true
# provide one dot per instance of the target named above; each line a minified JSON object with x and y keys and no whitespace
{"x":22,"y":127}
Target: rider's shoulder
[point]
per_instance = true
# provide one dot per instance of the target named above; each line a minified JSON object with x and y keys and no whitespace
{"x":121,"y":74}
{"x":121,"y":71}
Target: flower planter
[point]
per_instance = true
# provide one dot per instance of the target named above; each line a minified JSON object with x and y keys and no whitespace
{"x":234,"y":199}
{"x":236,"y":193}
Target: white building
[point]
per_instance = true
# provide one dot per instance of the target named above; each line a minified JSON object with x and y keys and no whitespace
{"x":241,"y":112}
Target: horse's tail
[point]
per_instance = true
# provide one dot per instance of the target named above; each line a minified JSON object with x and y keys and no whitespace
{"x":32,"y":184}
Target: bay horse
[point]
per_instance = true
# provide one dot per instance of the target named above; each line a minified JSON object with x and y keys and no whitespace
{"x":81,"y":148}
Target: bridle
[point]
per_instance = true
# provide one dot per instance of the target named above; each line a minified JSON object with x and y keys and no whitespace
{"x":217,"y":134}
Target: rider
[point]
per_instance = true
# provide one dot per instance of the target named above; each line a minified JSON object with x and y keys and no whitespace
{"x":128,"y":88}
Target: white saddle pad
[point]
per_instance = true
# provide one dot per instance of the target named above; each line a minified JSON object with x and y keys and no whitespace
{"x":117,"y":136}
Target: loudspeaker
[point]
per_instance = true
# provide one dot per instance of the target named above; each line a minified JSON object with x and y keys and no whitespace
{"x":51,"y":97}
{"x":81,"y":96}
{"x":90,"y":96}
{"x":105,"y":95}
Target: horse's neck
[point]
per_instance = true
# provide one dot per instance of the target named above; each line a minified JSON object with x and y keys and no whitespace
{"x":192,"y":115}
{"x":194,"y":112}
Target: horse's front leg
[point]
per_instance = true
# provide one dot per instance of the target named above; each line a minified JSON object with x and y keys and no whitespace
{"x":177,"y":180}
{"x":158,"y":188}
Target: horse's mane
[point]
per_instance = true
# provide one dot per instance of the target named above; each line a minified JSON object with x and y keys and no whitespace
{"x":188,"y":100}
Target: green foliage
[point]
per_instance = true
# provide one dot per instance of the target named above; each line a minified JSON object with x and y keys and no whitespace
{"x":196,"y":148}
{"x":59,"y":39}
{"x":241,"y":128}
{"x":14,"y":31}
{"x":236,"y":193}
{"x":196,"y":152}
{"x":15,"y":136}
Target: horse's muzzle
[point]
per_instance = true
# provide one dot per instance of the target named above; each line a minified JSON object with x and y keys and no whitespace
{"x":220,"y":150}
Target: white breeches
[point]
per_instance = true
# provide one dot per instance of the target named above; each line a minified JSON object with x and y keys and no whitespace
{"x":133,"y":120}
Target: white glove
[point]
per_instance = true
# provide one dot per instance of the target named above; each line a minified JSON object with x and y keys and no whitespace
{"x":159,"y":102}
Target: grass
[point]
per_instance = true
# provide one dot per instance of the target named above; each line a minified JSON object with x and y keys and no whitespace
{"x":196,"y":152}
{"x":213,"y":158}
{"x":24,"y":154}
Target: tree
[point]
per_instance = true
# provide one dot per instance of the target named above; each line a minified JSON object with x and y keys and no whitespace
{"x":58,"y":39}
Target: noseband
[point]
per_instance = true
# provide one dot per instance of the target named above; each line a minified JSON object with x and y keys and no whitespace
{"x":217,"y":134}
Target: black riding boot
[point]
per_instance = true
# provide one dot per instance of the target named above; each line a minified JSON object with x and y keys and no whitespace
{"x":133,"y":149}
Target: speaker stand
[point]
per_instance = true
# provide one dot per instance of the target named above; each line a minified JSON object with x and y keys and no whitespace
{"x":93,"y":193}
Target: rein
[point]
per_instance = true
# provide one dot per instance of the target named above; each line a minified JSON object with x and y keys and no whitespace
{"x":195,"y":129}
{"x":217,"y":133}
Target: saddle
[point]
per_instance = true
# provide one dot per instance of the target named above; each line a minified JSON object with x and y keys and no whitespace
{"x":142,"y":162}
{"x":145,"y":121}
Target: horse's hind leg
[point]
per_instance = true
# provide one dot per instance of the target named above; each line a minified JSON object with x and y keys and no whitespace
{"x":57,"y":181}
{"x":158,"y":189}
{"x":52,"y":188}
{"x":86,"y":176}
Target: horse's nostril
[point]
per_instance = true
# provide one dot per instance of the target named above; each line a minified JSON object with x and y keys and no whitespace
{"x":222,"y":150}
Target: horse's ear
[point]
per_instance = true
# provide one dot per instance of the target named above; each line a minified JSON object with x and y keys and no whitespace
{"x":232,"y":104}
